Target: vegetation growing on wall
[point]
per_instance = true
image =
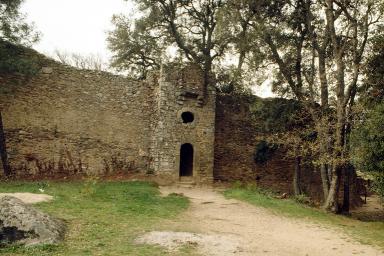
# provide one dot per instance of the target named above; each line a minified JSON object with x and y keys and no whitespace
{"x":264,"y":151}
{"x":15,"y":59}
{"x":277,"y":114}
{"x":15,"y":31}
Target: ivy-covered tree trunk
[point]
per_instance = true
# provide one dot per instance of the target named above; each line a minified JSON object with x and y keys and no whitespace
{"x":3,"y":149}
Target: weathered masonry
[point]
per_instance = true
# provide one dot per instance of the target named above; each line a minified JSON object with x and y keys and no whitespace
{"x":66,"y":121}
{"x":183,"y":126}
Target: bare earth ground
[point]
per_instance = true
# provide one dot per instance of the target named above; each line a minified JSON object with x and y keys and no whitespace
{"x":219,"y":226}
{"x":373,"y":210}
{"x":29,"y":198}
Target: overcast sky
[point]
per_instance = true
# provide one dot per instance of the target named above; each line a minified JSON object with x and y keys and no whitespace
{"x":80,"y":26}
{"x":77,"y":26}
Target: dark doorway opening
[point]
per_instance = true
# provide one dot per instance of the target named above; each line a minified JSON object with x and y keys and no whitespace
{"x":186,"y":160}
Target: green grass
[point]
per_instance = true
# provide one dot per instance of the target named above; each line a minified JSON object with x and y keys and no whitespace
{"x":365,"y":232}
{"x":103,"y":218}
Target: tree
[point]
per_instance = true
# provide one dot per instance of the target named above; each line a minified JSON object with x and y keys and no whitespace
{"x":193,"y":27}
{"x":349,"y":26}
{"x":13,"y":27}
{"x":313,"y":50}
{"x":137,"y":49}
{"x":91,"y":61}
{"x":318,"y":47}
{"x":373,"y":90}
{"x":367,"y":139}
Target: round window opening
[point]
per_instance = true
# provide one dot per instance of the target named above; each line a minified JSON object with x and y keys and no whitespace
{"x":187,"y":117}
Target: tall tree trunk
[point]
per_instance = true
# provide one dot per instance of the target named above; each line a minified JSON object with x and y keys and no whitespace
{"x":323,"y":80}
{"x":3,"y":150}
{"x":296,"y":176}
{"x":324,"y":180}
{"x":349,"y":168}
{"x":207,"y":75}
{"x":325,"y":177}
{"x":332,"y":202}
{"x":240,"y":63}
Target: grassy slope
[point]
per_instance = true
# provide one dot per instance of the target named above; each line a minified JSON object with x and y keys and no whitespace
{"x":366,"y":232}
{"x":103,"y":218}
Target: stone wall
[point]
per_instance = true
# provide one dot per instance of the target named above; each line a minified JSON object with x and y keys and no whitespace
{"x":178,"y":93}
{"x":236,"y":137}
{"x":68,"y":120}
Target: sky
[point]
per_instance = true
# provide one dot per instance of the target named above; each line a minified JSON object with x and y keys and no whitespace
{"x":80,"y":26}
{"x":74,"y":26}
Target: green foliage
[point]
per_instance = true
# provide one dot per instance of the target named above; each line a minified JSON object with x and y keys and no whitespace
{"x":374,"y":73}
{"x":264,"y":151}
{"x":378,"y":184}
{"x":14,"y":31}
{"x":278,"y":114}
{"x":230,"y":81}
{"x":136,"y":48}
{"x":13,"y":27}
{"x":196,"y":29}
{"x":104,"y":222}
{"x":368,"y":141}
{"x":14,"y":60}
{"x":367,"y":146}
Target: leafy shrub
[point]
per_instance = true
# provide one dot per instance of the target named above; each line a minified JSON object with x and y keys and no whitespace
{"x":367,"y":146}
{"x":13,"y":59}
{"x":378,"y":184}
{"x":264,"y":151}
{"x":278,"y":115}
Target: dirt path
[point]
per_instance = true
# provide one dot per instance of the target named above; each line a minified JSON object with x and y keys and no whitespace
{"x":218,"y":226}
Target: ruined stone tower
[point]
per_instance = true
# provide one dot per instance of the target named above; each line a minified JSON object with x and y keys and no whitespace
{"x":183,"y":131}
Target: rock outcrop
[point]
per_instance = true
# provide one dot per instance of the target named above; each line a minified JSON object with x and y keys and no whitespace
{"x":21,"y":223}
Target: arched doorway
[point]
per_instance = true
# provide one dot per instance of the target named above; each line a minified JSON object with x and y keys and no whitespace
{"x":186,"y":160}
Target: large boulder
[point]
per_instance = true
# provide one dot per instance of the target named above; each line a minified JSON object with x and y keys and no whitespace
{"x":21,"y":223}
